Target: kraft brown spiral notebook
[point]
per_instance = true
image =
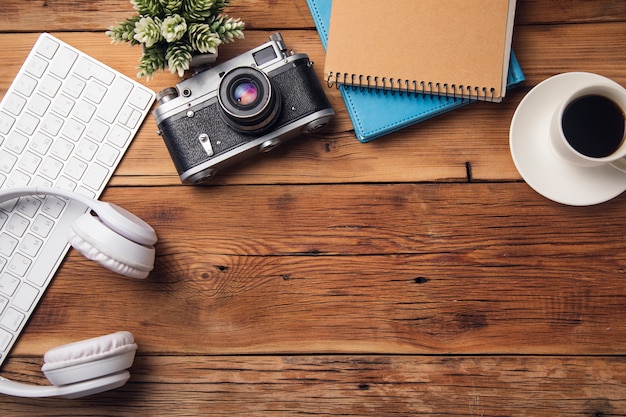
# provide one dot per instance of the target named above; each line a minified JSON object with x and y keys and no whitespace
{"x":457,"y":48}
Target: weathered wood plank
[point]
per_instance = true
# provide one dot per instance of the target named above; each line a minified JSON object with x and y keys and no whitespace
{"x":61,"y":15}
{"x":437,"y":386}
{"x":405,"y":268}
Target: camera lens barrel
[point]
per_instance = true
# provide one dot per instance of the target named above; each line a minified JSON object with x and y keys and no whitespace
{"x":247,"y":100}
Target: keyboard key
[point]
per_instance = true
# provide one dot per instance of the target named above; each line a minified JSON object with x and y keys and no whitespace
{"x":5,"y":339}
{"x":25,"y":85}
{"x":52,"y":124}
{"x":12,"y":319}
{"x":8,"y":244}
{"x":63,"y":61}
{"x":36,"y":66}
{"x":75,"y":168}
{"x":28,"y":206}
{"x":47,"y":47}
{"x":6,"y":122}
{"x":17,"y":179}
{"x":95,"y":176}
{"x":129,"y":117}
{"x":86,"y":149}
{"x":84,"y":111}
{"x":53,"y":206}
{"x":73,"y":129}
{"x":74,"y":86}
{"x":141,"y":98}
{"x":63,"y":105}
{"x":14,"y":104}
{"x":114,"y":100}
{"x":29,"y":162}
{"x":65,"y":183}
{"x":19,"y":264}
{"x":40,"y":143}
{"x":25,"y":297}
{"x":87,"y":69}
{"x":31,"y":245}
{"x":39,"y":104}
{"x":50,"y":86}
{"x":39,"y":181}
{"x":7,"y":161}
{"x":17,"y":225}
{"x":42,"y":225}
{"x":27,"y":123}
{"x":16,"y":142}
{"x":62,"y":149}
{"x":118,"y":136}
{"x":97,"y":130}
{"x":8,"y":284}
{"x":95,"y":91}
{"x":107,"y":155}
{"x":51,"y":167}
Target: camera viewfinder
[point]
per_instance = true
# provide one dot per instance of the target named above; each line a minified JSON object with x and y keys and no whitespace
{"x":264,"y":55}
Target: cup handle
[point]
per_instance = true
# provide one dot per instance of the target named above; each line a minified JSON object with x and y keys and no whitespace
{"x":619,"y":164}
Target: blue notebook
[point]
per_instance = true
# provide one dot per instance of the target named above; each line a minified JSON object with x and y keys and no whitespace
{"x":377,"y":113}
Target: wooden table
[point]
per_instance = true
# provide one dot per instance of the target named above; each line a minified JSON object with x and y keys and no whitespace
{"x":414,"y":275}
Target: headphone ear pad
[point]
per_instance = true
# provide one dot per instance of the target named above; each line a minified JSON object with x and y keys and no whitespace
{"x":97,"y":242}
{"x":89,"y":359}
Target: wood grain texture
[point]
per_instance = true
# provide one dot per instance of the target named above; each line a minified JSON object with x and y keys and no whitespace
{"x":390,"y":268}
{"x":98,"y":15}
{"x":413,"y":275}
{"x":349,"y":385}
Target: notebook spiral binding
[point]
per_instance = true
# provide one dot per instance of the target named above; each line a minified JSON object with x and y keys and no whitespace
{"x":393,"y":86}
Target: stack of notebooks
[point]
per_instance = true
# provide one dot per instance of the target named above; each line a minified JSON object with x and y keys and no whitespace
{"x":399,"y":62}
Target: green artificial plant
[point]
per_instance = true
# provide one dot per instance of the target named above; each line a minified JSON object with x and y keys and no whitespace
{"x":171,"y":32}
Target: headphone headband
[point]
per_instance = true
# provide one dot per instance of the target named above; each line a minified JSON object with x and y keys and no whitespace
{"x":17,"y":192}
{"x":76,"y":390}
{"x":118,"y":219}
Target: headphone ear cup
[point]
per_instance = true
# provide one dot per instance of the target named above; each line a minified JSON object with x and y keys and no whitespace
{"x":97,"y":242}
{"x":89,"y":359}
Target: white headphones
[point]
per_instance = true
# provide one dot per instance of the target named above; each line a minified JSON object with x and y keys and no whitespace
{"x":121,"y":242}
{"x":81,"y":368}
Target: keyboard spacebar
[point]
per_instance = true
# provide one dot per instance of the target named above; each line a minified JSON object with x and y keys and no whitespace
{"x":55,"y":248}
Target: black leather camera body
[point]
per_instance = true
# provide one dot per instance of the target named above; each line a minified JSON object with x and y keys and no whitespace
{"x":249,"y":104}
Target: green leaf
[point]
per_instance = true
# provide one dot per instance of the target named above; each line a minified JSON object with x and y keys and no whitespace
{"x":152,"y":60}
{"x":147,"y":7}
{"x":202,"y":39}
{"x":178,"y":55}
{"x":124,"y":31}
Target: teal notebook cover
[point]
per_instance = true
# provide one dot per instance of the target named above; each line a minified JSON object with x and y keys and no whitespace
{"x":377,"y":113}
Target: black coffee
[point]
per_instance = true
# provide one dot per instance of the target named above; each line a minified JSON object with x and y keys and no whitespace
{"x":594,"y":125}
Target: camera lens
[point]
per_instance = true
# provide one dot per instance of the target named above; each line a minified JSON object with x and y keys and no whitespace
{"x":246,"y":93}
{"x":247,"y":99}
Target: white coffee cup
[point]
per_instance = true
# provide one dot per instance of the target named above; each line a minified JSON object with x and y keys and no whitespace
{"x":589,"y":127}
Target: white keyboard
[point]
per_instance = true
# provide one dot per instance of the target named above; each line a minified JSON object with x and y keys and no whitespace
{"x":66,"y":122}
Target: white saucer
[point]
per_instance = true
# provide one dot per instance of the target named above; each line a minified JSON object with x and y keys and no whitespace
{"x":547,"y":174}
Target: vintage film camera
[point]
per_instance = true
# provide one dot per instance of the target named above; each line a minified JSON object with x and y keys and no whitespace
{"x":246,"y":105}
